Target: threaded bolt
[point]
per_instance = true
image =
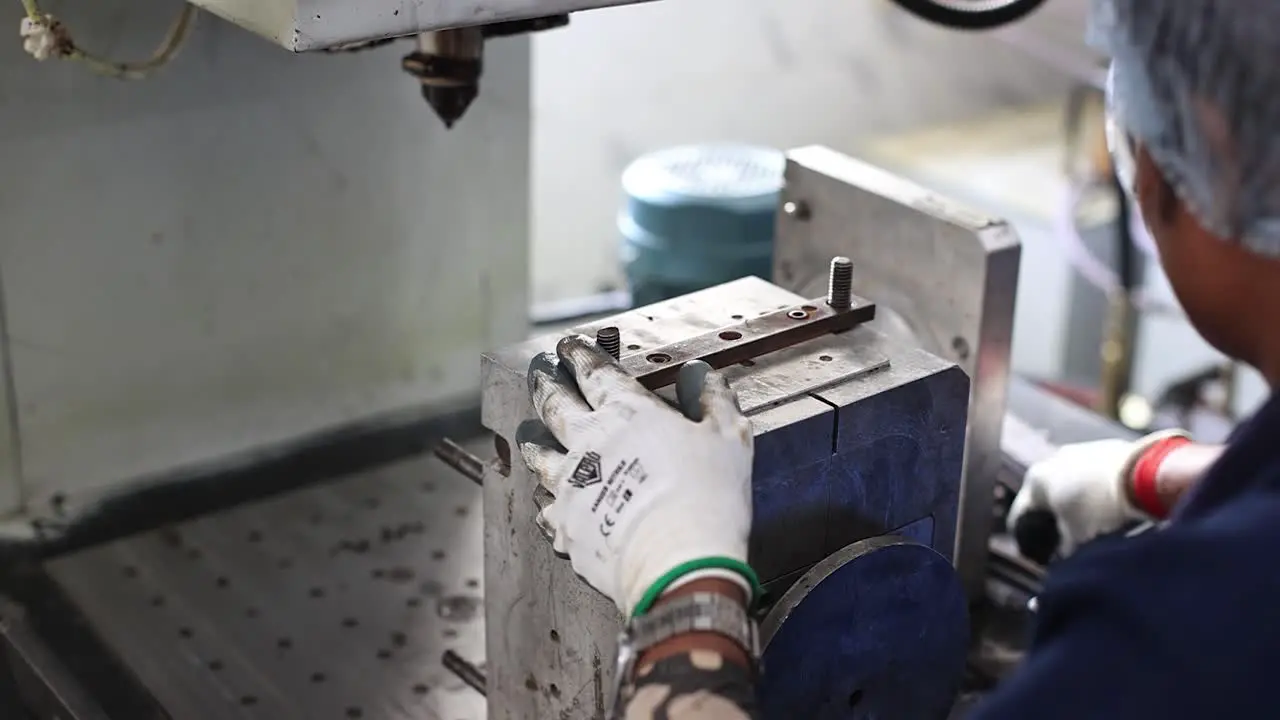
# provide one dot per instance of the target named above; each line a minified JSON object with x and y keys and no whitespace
{"x":840,"y":284}
{"x":610,"y":340}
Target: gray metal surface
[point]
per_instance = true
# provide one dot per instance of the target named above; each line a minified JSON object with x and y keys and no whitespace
{"x":336,"y":601}
{"x":550,"y":646}
{"x":950,"y":276}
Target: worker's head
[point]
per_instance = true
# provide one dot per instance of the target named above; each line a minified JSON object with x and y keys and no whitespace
{"x":1194,"y":99}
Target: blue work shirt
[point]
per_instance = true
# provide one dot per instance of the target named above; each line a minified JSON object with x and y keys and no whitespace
{"x":1179,"y":623}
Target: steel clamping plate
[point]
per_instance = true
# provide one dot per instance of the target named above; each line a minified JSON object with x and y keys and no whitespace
{"x":877,"y":631}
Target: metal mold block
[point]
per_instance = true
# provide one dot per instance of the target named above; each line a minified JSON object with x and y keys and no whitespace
{"x":336,"y":601}
{"x":818,"y":487}
{"x":945,"y":274}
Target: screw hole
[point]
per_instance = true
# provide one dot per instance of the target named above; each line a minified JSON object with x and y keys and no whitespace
{"x":251,"y":612}
{"x":473,"y":583}
{"x":659,"y":358}
{"x":399,"y":639}
{"x":222,"y":581}
{"x":284,"y":643}
{"x":798,"y":315}
{"x":317,"y":592}
{"x":317,"y":677}
{"x":450,"y":633}
{"x":748,"y":363}
{"x":255,"y":537}
{"x":350,"y":622}
{"x":413,"y":602}
{"x":855,"y":698}
{"x":555,"y":636}
{"x":730,"y":335}
{"x":437,"y":555}
{"x":355,"y":712}
{"x":633,"y":347}
{"x":384,"y":654}
{"x":185,"y":632}
{"x":735,"y":317}
{"x":248,"y":700}
{"x":157,"y":601}
{"x":215,"y":665}
{"x":961,"y":347}
{"x":420,"y":689}
{"x":284,"y":563}
{"x":555,"y":690}
{"x":824,"y":358}
{"x":461,"y":512}
{"x":130,"y":571}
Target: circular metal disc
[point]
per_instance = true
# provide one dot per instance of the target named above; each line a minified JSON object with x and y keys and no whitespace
{"x":878,"y":630}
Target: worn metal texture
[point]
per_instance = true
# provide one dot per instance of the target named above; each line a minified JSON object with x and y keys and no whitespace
{"x":941,"y":274}
{"x":878,"y":629}
{"x":816,"y":487}
{"x":337,"y":601}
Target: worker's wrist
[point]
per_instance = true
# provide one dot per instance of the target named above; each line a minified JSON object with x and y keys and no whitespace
{"x":1141,"y":477}
{"x":691,"y":642}
{"x":726,"y":568}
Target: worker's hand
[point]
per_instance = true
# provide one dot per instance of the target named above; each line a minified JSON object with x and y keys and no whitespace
{"x":644,"y":498}
{"x":1086,"y":486}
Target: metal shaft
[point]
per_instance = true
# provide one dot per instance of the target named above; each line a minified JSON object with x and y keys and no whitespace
{"x":466,"y":672}
{"x":840,"y":283}
{"x":452,"y":454}
{"x":610,"y":339}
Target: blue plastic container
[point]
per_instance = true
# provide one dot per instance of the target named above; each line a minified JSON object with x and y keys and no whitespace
{"x":698,"y":216}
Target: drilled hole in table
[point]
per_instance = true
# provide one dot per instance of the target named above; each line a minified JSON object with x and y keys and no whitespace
{"x":371,"y":503}
{"x":350,"y":622}
{"x":384,"y":654}
{"x":316,"y":593}
{"x":129,"y":571}
{"x":413,"y":602}
{"x":473,"y":583}
{"x":284,"y":643}
{"x":428,"y":487}
{"x":659,"y":358}
{"x":555,"y":690}
{"x":730,"y":335}
{"x":437,"y":554}
{"x":461,"y":511}
{"x":194,"y":554}
{"x":215,"y":665}
{"x":399,"y":639}
{"x":633,"y":347}
{"x":420,"y":689}
{"x":185,"y":632}
{"x":157,"y":601}
{"x":248,"y":700}
{"x":222,"y":581}
{"x":748,"y":363}
{"x":251,"y":613}
{"x":736,"y":317}
{"x":284,"y":563}
{"x":254,"y":537}
{"x":317,"y":677}
{"x":377,"y":573}
{"x":450,"y":633}
{"x":824,"y":358}
{"x":555,"y":636}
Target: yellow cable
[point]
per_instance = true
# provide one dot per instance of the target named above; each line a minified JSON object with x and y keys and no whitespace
{"x":168,"y":49}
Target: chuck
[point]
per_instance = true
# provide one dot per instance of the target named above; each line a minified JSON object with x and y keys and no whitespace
{"x":448,"y":64}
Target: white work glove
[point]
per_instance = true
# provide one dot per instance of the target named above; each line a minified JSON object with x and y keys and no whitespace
{"x":1086,"y":487}
{"x":645,"y":499}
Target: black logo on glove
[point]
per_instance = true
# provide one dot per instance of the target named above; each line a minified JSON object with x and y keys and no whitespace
{"x":588,"y":471}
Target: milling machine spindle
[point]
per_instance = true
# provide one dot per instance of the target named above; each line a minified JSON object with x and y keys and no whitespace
{"x":448,"y":64}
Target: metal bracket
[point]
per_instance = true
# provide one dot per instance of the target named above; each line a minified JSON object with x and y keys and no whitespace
{"x":733,"y":344}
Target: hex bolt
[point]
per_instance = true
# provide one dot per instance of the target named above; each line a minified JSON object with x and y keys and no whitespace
{"x":610,"y":340}
{"x":840,"y":284}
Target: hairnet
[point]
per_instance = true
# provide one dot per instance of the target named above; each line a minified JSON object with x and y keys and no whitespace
{"x":1197,"y":84}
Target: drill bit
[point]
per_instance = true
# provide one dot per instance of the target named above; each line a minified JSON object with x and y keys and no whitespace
{"x":448,"y":64}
